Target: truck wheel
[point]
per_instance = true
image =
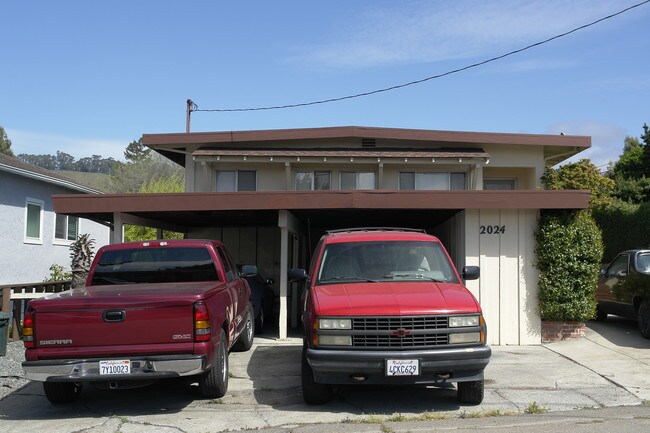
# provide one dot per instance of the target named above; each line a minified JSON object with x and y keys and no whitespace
{"x":470,"y":392}
{"x":214,"y":382}
{"x":259,"y":321}
{"x":61,"y":392}
{"x":643,"y":318}
{"x":312,"y":392}
{"x":245,"y":340}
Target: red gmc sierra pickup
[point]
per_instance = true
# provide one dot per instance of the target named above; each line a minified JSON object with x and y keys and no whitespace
{"x":149,"y":310}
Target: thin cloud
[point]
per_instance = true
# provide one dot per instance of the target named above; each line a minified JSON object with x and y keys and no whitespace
{"x":607,"y":140}
{"x":38,"y":143}
{"x":423,"y":31}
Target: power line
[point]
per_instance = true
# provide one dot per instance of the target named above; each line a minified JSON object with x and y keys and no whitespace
{"x":433,"y":77}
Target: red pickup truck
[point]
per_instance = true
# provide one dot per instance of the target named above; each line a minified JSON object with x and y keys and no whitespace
{"x":149,"y":311}
{"x":387,"y":307}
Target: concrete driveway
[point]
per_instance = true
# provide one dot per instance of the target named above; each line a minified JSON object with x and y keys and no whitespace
{"x":609,"y":367}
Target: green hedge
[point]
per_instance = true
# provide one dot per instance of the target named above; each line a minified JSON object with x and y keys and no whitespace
{"x":569,"y":252}
{"x":625,"y":226}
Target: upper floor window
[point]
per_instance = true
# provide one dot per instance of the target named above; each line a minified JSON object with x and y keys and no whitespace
{"x":357,"y":180}
{"x":313,"y":180}
{"x":33,"y":221}
{"x":236,"y":180}
{"x":432,"y":181}
{"x":66,"y":228}
{"x":499,"y":184}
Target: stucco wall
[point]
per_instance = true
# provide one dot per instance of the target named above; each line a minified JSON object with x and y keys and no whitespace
{"x":22,"y":262}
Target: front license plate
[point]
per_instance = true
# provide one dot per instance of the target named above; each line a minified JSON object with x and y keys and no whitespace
{"x":402,"y":367}
{"x":115,"y":366}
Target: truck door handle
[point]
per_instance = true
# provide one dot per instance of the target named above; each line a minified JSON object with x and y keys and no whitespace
{"x":114,"y":315}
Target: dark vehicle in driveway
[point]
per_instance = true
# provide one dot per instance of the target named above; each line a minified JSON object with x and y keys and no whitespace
{"x":624,"y":289}
{"x":262,"y":295}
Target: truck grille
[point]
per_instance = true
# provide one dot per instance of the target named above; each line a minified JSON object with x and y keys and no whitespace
{"x":399,"y":332}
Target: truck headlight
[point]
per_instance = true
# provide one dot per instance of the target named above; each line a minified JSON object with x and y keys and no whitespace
{"x":334,"y":324}
{"x":464,"y":321}
{"x":466,"y":337}
{"x":335,"y":340}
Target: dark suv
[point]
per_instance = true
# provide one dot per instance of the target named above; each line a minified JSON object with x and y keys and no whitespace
{"x":387,"y":306}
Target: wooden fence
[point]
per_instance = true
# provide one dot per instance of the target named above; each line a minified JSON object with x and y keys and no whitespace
{"x":16,"y":296}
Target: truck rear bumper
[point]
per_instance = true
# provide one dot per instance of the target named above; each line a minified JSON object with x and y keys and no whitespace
{"x":437,"y":367}
{"x":142,"y":368}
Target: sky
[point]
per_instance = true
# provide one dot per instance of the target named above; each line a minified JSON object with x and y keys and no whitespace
{"x":88,"y":78}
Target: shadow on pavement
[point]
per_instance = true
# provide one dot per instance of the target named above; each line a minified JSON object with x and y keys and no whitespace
{"x":167,"y":396}
{"x":275,"y":373}
{"x":620,"y":331}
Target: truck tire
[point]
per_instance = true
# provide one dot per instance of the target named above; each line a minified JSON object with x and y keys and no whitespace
{"x":245,"y":340}
{"x":214,"y":382}
{"x":61,"y":392}
{"x":470,"y":392}
{"x":601,"y":315}
{"x":312,"y":392}
{"x":643,"y":317}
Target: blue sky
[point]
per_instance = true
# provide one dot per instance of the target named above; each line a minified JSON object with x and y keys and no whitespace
{"x":89,"y":77}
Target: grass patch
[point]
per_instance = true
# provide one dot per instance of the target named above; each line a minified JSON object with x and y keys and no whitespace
{"x":385,"y":429}
{"x":534,"y":408}
{"x":486,"y":414}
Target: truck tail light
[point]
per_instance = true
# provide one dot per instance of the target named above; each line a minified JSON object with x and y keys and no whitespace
{"x":28,"y":328}
{"x":202,"y":331}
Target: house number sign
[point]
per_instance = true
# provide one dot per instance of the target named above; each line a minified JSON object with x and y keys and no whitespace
{"x":492,"y":230}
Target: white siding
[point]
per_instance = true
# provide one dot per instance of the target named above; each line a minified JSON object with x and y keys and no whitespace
{"x":507,"y":289}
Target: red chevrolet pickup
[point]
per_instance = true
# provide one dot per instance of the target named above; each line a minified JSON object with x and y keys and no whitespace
{"x":387,"y":307}
{"x":149,"y":311}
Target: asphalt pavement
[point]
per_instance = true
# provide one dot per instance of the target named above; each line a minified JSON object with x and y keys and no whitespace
{"x":600,"y":380}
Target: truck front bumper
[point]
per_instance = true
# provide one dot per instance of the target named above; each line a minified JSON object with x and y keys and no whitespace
{"x":142,"y":368}
{"x":437,"y":367}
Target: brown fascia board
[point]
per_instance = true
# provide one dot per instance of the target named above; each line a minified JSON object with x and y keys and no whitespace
{"x":442,"y":137}
{"x":274,"y":200}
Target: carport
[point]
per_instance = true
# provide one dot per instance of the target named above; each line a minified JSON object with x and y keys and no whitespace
{"x":291,"y":222}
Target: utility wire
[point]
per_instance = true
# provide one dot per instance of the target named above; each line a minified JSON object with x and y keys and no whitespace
{"x":433,"y":77}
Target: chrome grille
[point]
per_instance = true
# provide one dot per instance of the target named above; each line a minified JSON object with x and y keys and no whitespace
{"x":399,"y":332}
{"x":395,"y":323}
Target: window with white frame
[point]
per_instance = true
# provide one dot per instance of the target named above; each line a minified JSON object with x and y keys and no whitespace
{"x":312,"y":180}
{"x":66,"y":228}
{"x":432,"y":181}
{"x":499,"y":184}
{"x":357,"y":180}
{"x":236,"y":180}
{"x":33,"y":221}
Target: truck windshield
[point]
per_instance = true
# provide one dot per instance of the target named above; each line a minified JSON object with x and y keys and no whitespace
{"x":154,"y":265}
{"x":385,"y":261}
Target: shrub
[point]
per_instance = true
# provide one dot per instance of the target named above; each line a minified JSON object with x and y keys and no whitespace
{"x":624,"y":225}
{"x":569,"y":252}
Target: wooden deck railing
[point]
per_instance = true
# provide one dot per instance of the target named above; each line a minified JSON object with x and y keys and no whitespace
{"x":16,"y":296}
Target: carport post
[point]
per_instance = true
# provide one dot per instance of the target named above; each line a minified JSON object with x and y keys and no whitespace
{"x":284,"y":280}
{"x":117,"y":231}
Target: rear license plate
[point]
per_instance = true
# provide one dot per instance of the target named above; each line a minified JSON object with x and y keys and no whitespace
{"x":115,"y":366}
{"x":402,"y":367}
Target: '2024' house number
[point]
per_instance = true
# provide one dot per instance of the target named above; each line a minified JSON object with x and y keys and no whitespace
{"x":492,"y":230}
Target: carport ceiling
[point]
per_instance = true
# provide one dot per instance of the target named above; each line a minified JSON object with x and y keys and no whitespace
{"x":343,"y":218}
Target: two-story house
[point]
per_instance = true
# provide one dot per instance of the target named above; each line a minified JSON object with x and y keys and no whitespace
{"x":270,"y":195}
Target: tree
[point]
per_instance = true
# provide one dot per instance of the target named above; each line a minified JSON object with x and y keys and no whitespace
{"x":631,"y":172}
{"x":130,"y":176}
{"x":136,"y":151}
{"x":174,"y":183}
{"x":64,"y":161}
{"x":5,"y":143}
{"x":581,"y":175}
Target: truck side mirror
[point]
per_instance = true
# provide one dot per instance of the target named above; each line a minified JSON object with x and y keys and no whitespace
{"x":297,"y":275}
{"x":249,"y":269}
{"x":471,"y":273}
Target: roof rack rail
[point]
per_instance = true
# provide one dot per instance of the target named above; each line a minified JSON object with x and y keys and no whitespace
{"x":369,"y":229}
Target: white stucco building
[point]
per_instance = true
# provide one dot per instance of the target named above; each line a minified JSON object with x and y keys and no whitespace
{"x":270,"y":195}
